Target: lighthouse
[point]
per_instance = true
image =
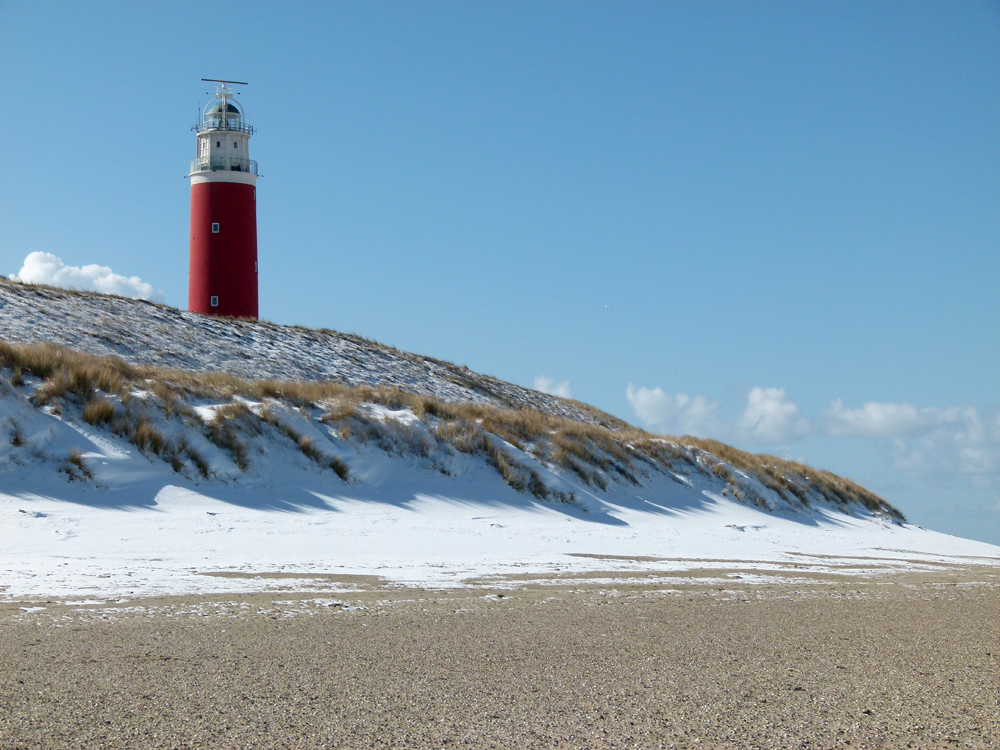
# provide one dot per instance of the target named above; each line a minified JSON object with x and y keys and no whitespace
{"x":222,"y":276}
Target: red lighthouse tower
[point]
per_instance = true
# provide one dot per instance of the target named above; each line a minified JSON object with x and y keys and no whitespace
{"x":223,"y":271}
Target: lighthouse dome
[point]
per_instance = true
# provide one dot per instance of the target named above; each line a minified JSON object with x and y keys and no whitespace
{"x":226,"y":107}
{"x":223,"y":114}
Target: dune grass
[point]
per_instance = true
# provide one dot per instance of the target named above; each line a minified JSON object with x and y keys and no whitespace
{"x":307,"y":445}
{"x":75,"y":466}
{"x":598,"y":455}
{"x":98,"y":410}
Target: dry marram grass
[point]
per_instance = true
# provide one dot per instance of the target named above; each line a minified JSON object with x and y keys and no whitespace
{"x":597,"y":454}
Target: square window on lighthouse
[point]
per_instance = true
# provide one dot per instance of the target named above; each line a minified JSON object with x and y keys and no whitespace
{"x":215,"y":227}
{"x":213,"y":301}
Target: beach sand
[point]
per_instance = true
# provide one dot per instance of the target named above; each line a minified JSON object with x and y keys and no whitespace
{"x":903,"y":660}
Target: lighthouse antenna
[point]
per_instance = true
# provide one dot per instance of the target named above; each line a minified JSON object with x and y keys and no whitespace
{"x":223,"y":92}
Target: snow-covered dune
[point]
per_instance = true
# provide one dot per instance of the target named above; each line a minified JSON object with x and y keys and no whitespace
{"x":118,"y":484}
{"x":123,"y":523}
{"x":144,"y":332}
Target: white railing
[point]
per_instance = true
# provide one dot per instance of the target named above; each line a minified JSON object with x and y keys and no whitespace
{"x":224,"y":123}
{"x":222,"y":164}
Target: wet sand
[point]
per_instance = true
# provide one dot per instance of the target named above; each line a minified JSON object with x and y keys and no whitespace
{"x":898,"y":661}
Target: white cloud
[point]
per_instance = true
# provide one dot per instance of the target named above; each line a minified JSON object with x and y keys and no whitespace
{"x":772,"y":417}
{"x":45,"y":268}
{"x":677,"y":414}
{"x":875,"y":420}
{"x":769,"y":416}
{"x":932,"y":444}
{"x":925,"y":441}
{"x":960,"y":439}
{"x":548,"y":385}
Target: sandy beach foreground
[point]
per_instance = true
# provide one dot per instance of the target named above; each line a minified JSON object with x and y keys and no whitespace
{"x":909,"y":660}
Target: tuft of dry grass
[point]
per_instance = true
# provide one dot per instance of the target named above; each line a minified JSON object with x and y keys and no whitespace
{"x":404,"y":439}
{"x":509,"y":471}
{"x":75,"y":466}
{"x":98,"y":411}
{"x":171,"y":403}
{"x":520,"y":478}
{"x":339,"y":410}
{"x":222,"y":430}
{"x":17,"y":438}
{"x":199,"y":462}
{"x":66,"y":371}
{"x":591,"y":477}
{"x":147,"y":438}
{"x":464,"y":436}
{"x":308,"y":446}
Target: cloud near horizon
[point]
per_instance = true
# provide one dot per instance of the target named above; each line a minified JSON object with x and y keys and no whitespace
{"x":46,"y":268}
{"x":549,"y":385}
{"x":924,"y":441}
{"x":875,"y":420}
{"x":675,"y":414}
{"x":771,"y":416}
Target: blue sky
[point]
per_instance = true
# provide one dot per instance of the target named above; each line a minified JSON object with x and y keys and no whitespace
{"x":718,"y":218}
